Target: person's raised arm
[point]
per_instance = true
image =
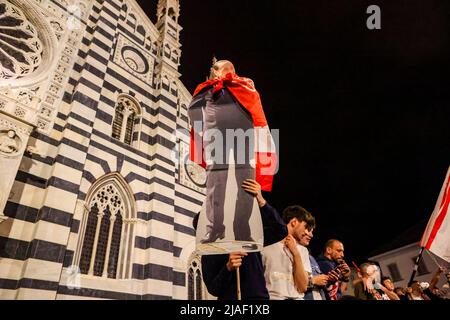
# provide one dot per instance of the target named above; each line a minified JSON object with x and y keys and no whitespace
{"x":275,"y":229}
{"x":391,"y":294}
{"x":434,"y":281}
{"x":299,"y":273}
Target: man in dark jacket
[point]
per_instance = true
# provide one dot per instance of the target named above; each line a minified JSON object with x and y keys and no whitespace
{"x":332,"y":262}
{"x":219,"y":271}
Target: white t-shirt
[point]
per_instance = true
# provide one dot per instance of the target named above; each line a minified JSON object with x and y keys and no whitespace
{"x":308,"y":268}
{"x":279,"y":272}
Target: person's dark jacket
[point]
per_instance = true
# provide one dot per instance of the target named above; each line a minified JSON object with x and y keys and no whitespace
{"x":362,"y":294}
{"x":222,"y":283}
{"x":326,"y":265}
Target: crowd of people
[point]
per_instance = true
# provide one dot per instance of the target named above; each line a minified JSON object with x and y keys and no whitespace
{"x":417,"y":290}
{"x":285,"y":269}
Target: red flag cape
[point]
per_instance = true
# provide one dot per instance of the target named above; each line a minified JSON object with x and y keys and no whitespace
{"x":243,"y":90}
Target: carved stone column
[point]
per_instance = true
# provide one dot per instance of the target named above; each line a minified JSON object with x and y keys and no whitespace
{"x":14,"y":134}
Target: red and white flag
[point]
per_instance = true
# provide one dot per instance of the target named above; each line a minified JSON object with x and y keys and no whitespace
{"x":437,"y":234}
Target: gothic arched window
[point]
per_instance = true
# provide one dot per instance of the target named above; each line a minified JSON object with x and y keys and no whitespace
{"x":108,"y":229}
{"x":172,"y":14}
{"x":132,"y":18}
{"x":195,"y":287}
{"x":167,"y":51}
{"x":165,"y":83}
{"x":148,"y":44}
{"x":175,"y":56}
{"x":198,"y":285}
{"x":126,"y":113}
{"x":140,"y":29}
{"x":174,"y":88}
{"x":191,"y":284}
{"x":162,"y":13}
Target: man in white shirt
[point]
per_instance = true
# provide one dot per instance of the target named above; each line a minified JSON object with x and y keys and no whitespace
{"x":286,"y":263}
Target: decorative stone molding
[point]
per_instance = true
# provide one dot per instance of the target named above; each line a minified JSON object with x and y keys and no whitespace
{"x":4,"y":123}
{"x":14,"y":135}
{"x":68,"y":29}
{"x":20,"y":104}
{"x":142,"y":19}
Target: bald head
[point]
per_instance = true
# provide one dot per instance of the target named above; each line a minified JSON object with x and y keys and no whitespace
{"x":221,"y":68}
{"x":334,"y":250}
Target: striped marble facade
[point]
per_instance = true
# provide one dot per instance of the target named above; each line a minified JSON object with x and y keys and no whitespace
{"x":42,"y":238}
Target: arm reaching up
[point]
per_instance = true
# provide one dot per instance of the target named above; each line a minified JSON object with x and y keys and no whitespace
{"x":274,"y":227}
{"x":300,"y":275}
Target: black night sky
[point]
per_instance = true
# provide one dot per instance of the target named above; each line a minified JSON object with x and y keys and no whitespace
{"x":363,"y":115}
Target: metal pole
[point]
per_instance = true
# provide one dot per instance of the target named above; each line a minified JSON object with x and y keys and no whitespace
{"x":238,"y":278}
{"x":416,"y":266}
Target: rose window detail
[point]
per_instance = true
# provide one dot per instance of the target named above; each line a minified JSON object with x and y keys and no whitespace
{"x":20,"y":47}
{"x":135,"y":60}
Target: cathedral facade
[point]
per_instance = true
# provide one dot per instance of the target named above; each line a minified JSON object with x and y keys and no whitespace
{"x":96,"y":200}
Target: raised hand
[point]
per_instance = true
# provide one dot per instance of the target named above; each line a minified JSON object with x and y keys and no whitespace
{"x":321,"y":280}
{"x":345,"y":269}
{"x":369,"y":285}
{"x":254,"y":188}
{"x":291,"y":244}
{"x":333,"y":276}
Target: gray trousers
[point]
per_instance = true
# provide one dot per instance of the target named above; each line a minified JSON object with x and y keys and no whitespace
{"x":222,"y":112}
{"x":215,"y":202}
